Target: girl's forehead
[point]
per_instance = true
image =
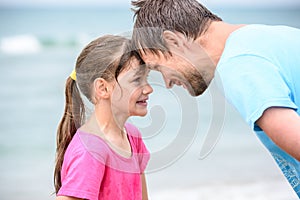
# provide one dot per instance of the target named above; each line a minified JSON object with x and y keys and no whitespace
{"x":133,"y":72}
{"x":137,"y":70}
{"x":135,"y":66}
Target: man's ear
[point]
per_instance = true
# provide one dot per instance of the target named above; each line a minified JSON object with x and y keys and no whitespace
{"x":101,"y":88}
{"x":173,"y":40}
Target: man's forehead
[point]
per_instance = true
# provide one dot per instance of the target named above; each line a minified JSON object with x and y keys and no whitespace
{"x":150,"y":55}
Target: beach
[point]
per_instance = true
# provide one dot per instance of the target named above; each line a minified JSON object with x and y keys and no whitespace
{"x":234,"y":165}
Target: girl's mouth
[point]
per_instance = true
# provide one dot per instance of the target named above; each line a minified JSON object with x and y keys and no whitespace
{"x":142,"y":102}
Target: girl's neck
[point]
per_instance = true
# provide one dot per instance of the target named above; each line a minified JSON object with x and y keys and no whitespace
{"x":110,"y":127}
{"x":108,"y":123}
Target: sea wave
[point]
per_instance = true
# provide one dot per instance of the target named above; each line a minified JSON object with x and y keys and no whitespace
{"x":31,"y":44}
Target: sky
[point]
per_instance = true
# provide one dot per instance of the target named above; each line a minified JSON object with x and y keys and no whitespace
{"x":215,"y":3}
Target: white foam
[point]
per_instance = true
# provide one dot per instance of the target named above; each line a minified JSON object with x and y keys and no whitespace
{"x":20,"y":44}
{"x":272,"y":189}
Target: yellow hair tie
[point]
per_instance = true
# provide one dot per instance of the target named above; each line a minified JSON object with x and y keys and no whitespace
{"x":73,"y":75}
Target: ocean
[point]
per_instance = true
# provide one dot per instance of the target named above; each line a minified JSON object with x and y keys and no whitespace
{"x":201,"y":147}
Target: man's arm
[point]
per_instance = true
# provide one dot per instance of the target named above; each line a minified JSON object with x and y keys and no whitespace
{"x":282,"y":125}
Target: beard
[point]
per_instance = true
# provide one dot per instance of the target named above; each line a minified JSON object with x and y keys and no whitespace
{"x":196,"y":83}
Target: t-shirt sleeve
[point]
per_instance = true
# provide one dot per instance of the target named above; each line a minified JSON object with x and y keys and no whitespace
{"x":82,"y":176}
{"x":253,"y":84}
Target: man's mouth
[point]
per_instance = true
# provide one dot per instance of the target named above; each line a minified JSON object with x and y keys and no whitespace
{"x":178,"y":83}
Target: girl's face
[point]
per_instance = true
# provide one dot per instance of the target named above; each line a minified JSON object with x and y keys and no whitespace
{"x":132,"y":91}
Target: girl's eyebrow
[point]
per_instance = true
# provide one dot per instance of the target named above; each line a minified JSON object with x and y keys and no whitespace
{"x":141,"y":71}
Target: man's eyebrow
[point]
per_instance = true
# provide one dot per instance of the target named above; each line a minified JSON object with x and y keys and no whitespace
{"x":153,"y":67}
{"x":156,"y":67}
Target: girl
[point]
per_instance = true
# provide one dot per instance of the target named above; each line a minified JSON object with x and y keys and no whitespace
{"x":103,"y":157}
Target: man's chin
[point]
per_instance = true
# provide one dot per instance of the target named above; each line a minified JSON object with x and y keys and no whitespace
{"x":193,"y":94}
{"x":196,"y":92}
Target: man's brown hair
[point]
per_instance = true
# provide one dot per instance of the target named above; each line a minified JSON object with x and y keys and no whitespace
{"x":153,"y":17}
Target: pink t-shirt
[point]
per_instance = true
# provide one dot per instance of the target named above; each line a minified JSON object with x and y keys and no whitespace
{"x":92,"y":170}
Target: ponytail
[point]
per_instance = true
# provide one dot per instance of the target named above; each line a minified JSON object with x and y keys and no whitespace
{"x":74,"y":115}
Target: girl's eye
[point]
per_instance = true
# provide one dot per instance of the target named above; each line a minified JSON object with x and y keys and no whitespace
{"x":137,"y":79}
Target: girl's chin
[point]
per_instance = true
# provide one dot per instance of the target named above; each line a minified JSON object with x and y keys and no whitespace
{"x":140,"y":114}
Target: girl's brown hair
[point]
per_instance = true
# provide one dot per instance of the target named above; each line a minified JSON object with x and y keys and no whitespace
{"x":104,"y":57}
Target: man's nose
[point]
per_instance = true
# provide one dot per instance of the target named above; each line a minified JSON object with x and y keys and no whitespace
{"x":169,"y":83}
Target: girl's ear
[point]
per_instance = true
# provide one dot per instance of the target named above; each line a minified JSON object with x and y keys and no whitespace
{"x":173,"y":40}
{"x":101,"y":89}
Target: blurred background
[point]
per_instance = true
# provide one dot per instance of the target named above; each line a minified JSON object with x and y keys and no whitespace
{"x":39,"y":43}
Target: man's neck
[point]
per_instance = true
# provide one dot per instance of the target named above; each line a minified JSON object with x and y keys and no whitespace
{"x":214,"y":40}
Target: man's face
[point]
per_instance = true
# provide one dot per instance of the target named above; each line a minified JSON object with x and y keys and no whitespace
{"x":177,"y":70}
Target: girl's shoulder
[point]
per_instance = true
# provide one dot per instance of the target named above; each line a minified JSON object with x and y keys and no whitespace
{"x":84,"y":144}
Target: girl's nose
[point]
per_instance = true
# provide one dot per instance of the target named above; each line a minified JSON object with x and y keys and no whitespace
{"x":147,"y":89}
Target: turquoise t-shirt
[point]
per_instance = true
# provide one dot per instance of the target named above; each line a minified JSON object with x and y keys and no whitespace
{"x":259,"y":69}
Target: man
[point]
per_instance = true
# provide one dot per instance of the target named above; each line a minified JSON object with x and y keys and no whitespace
{"x":257,"y":65}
